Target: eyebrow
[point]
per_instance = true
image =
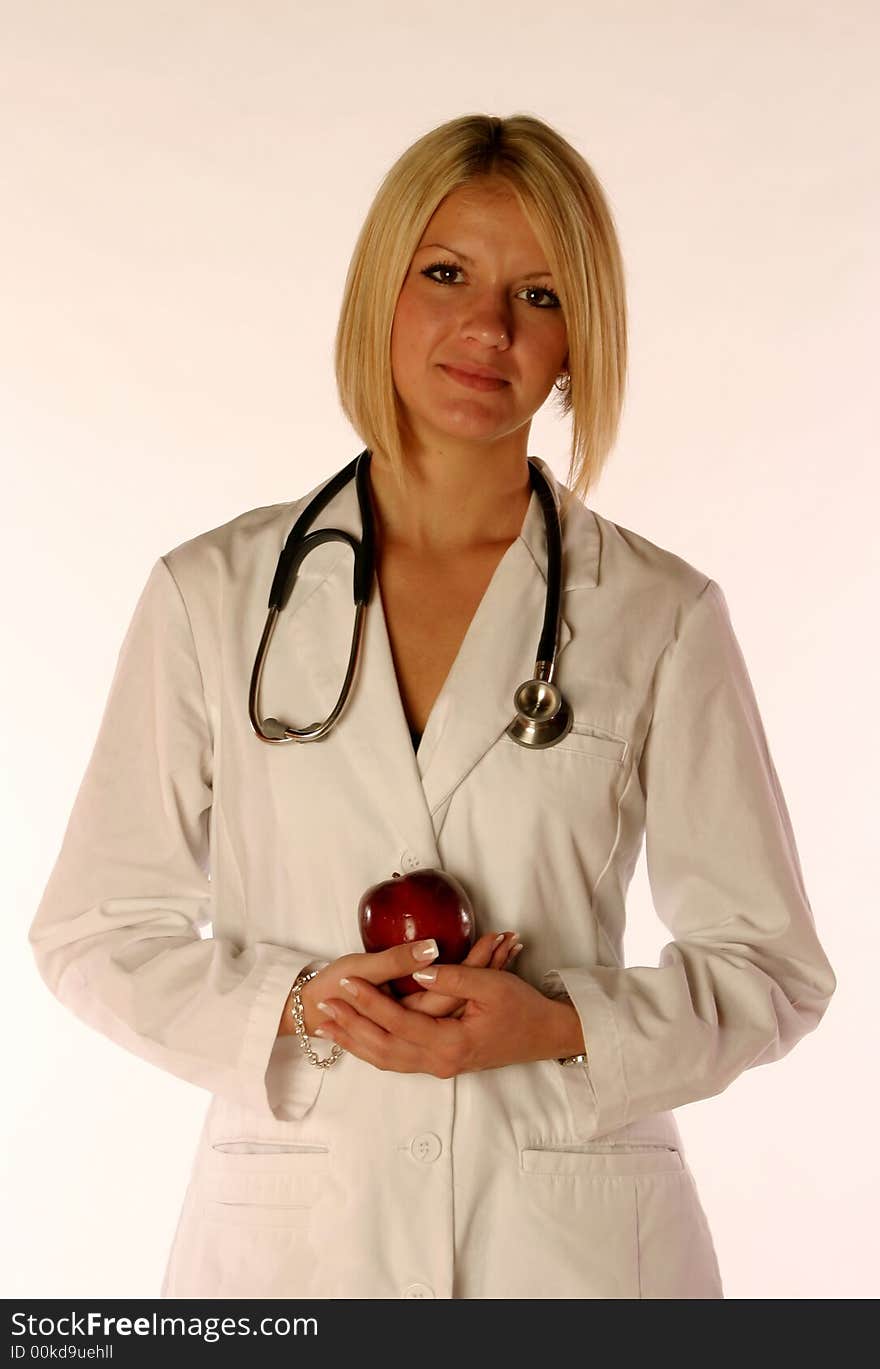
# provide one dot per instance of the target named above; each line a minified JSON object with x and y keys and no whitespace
{"x":532,"y":275}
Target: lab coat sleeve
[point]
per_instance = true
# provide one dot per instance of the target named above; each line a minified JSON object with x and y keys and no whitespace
{"x":746,"y":976}
{"x":117,"y":935}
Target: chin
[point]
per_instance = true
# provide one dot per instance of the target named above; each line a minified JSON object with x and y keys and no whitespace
{"x":461,"y":421}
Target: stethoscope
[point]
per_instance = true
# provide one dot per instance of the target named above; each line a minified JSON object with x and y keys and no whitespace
{"x":543,"y":717}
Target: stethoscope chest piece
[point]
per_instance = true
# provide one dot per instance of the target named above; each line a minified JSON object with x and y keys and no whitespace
{"x":542,"y":715}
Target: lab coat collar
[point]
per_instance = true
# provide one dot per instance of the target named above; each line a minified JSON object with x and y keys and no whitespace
{"x":475,"y":704}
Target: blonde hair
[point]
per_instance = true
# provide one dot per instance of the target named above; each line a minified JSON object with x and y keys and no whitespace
{"x":566,"y":209}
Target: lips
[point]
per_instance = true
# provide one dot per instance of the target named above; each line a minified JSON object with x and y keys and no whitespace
{"x":473,"y":382}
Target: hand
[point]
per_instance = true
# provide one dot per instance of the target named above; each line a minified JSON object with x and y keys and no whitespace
{"x":505,"y":1021}
{"x":484,"y":954}
{"x":376,"y":967}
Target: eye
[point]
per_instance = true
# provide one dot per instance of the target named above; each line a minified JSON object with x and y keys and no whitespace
{"x":440,"y":266}
{"x":453,"y":267}
{"x":555,"y":302}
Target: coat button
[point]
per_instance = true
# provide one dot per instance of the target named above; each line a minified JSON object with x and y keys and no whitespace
{"x":418,"y":1290}
{"x":408,"y":861}
{"x":426,"y":1146}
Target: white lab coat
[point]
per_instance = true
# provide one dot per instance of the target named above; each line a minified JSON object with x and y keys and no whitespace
{"x":532,"y":1180}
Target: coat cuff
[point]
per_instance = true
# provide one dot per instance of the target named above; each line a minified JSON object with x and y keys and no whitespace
{"x":279,"y":1082}
{"x":596,"y":1090}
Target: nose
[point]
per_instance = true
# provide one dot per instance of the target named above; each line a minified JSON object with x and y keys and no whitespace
{"x":488,"y":321}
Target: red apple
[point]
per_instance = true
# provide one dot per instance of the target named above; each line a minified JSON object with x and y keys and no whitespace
{"x":425,"y":903}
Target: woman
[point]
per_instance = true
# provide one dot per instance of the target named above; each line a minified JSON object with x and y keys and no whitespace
{"x":361,"y":1145}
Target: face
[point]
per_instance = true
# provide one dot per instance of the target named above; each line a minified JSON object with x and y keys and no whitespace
{"x":478,"y":294}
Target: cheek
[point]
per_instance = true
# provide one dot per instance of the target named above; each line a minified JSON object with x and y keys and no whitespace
{"x":546,"y":345}
{"x":540,"y":369}
{"x":416,"y":337}
{"x":421,"y":318}
{"x":406,"y":334}
{"x":412,"y":319}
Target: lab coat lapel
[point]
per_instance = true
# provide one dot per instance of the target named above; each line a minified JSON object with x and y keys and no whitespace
{"x":475,"y":704}
{"x":370,"y":743}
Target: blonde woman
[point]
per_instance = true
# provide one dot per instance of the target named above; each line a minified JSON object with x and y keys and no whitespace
{"x":508,"y":1131}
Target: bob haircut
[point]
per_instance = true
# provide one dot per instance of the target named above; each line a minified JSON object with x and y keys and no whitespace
{"x":566,"y":209}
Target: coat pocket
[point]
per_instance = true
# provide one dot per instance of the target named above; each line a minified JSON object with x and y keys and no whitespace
{"x":246,"y":1212}
{"x":259,"y":1150}
{"x":249,"y":1226}
{"x":598,"y":1163}
{"x":595,"y":741}
{"x":587,"y":740}
{"x":623,"y":1221}
{"x":269,"y":1168}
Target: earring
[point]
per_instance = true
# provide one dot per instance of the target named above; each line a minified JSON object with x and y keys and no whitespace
{"x":565,"y":377}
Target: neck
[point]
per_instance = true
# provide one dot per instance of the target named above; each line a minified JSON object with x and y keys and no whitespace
{"x":450,"y":504}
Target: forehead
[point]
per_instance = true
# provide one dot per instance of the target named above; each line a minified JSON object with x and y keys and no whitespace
{"x":481,"y":213}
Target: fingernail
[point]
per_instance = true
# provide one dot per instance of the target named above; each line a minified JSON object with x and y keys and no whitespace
{"x":327,"y":1010}
{"x":425,"y":976}
{"x":349,"y":988}
{"x":516,"y":950}
{"x":498,"y":940}
{"x":423,"y":950}
{"x":319,"y":1031}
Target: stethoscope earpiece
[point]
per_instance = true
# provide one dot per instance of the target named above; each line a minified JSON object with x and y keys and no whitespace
{"x":274,"y":730}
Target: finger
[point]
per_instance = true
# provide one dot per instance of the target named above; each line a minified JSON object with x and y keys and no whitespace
{"x":502,"y":952}
{"x":514,"y":949}
{"x":432,"y":1004}
{"x":358,"y":998}
{"x":484,"y":950}
{"x":377,"y":967}
{"x":461,"y":981}
{"x":362,"y":1037}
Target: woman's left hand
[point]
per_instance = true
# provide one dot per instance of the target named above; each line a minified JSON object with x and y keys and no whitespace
{"x":504,"y":1021}
{"x":492,"y":951}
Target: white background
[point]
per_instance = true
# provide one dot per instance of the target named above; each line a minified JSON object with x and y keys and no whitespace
{"x":183,"y":184}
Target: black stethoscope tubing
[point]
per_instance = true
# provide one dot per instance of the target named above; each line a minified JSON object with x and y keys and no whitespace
{"x":543,"y":716}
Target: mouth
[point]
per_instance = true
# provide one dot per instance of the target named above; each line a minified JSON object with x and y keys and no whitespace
{"x":473,"y":382}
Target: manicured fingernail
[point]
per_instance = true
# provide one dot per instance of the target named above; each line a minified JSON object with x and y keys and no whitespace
{"x":425,"y":976}
{"x":328,"y":1011}
{"x":319,"y":1031}
{"x":498,"y":940}
{"x":423,"y":950}
{"x":349,"y":988}
{"x":516,"y":950}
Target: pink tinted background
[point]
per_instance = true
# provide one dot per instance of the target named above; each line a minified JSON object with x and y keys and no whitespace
{"x":183,"y":189}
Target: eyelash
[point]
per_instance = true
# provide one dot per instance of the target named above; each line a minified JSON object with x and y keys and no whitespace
{"x":454,"y":266}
